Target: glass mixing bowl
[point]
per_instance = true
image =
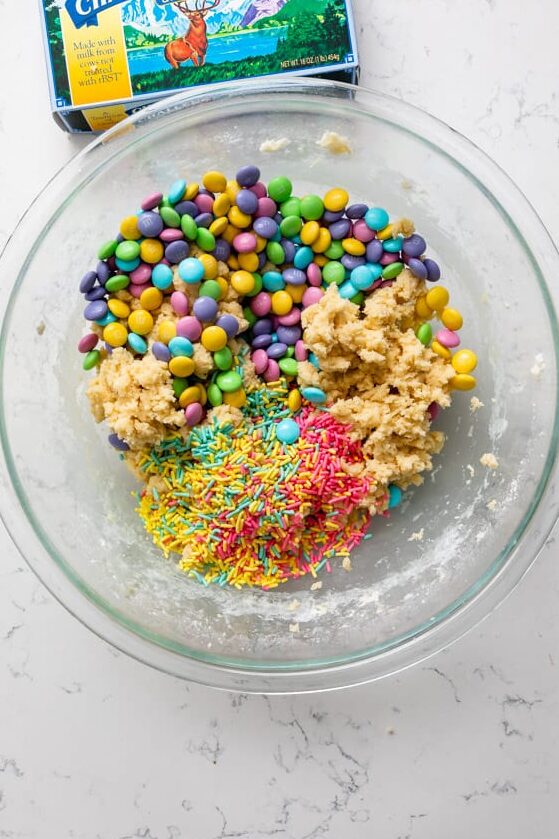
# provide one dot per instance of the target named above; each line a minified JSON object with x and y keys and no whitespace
{"x":459,"y":543}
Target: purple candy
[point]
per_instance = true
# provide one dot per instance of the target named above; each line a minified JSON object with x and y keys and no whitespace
{"x":150,"y":225}
{"x":187,"y":208}
{"x":205,"y":309}
{"x":294,"y":276}
{"x":176,"y":252}
{"x":374,"y":251}
{"x":340,"y":229}
{"x":261,"y":342}
{"x":95,"y":310}
{"x":289,"y":250}
{"x":356,"y":210}
{"x":277,"y":350}
{"x":288,"y":335}
{"x":265,"y":227}
{"x":96,"y":293}
{"x":414,"y":245}
{"x":262,"y":259}
{"x":222,"y":250}
{"x":350,"y":262}
{"x":204,"y":219}
{"x":117,"y":443}
{"x":246,"y":201}
{"x":103,"y":272}
{"x":278,"y":218}
{"x":417,"y":268}
{"x":111,"y":264}
{"x":266,"y":207}
{"x":88,"y":342}
{"x":433,"y":270}
{"x":229,"y":323}
{"x":108,"y":348}
{"x":171,"y":234}
{"x":263,"y":326}
{"x":161,"y":351}
{"x":329,"y":217}
{"x":119,"y":238}
{"x":248,"y":175}
{"x":88,"y":281}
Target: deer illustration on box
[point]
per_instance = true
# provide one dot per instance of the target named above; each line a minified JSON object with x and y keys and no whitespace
{"x":194,"y":43}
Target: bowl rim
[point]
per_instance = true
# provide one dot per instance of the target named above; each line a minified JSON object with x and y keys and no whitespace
{"x":449,"y":624}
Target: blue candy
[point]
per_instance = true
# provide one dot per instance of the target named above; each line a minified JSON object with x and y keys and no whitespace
{"x":191,"y":270}
{"x":362,"y":277}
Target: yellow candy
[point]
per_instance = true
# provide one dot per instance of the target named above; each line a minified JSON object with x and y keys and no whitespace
{"x":192,"y":191}
{"x":210,"y":265}
{"x":440,"y":350}
{"x":462,"y":381}
{"x":166,"y":331}
{"x":233,"y":262}
{"x":385,"y":233}
{"x":294,"y":401}
{"x":151,"y":299}
{"x":238,"y":218}
{"x":119,"y":308}
{"x":248,"y":261}
{"x":214,"y":338}
{"x":296,"y":292}
{"x":224,"y":286}
{"x":321,"y":260}
{"x":323,"y":242}
{"x":452,"y":319}
{"x":190,"y":394}
{"x":115,"y":334}
{"x":232,"y":190}
{"x":203,"y":395}
{"x":215,"y":181}
{"x":353,"y":247}
{"x":336,"y":199}
{"x":222,"y":205}
{"x":282,"y":303}
{"x":260,"y":244}
{"x":464,"y":361}
{"x":129,"y":228}
{"x":422,"y":310}
{"x":182,"y":366}
{"x":310,"y":232}
{"x":230,"y":232}
{"x":235,"y":400}
{"x":218,"y":226}
{"x":242,"y":281}
{"x":437,"y":298}
{"x":151,"y":251}
{"x":140,"y":322}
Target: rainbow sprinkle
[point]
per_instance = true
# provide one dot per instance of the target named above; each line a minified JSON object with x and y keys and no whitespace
{"x":243,"y":509}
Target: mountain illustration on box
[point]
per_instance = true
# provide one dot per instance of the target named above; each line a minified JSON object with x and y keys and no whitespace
{"x":163,"y":18}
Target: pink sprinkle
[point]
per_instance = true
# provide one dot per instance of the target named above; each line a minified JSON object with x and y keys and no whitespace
{"x":179,"y":302}
{"x":141,"y":274}
{"x":171,"y":234}
{"x":266,"y":207}
{"x":314,"y":274}
{"x":259,"y":189}
{"x":447,"y":338}
{"x":311,"y":296}
{"x":362,"y":232}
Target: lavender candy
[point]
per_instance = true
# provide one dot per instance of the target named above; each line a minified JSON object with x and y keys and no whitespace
{"x":262,"y":259}
{"x":175,"y":252}
{"x":204,"y":219}
{"x":161,"y":351}
{"x":222,"y":250}
{"x":95,"y":310}
{"x":293,"y":276}
{"x":417,"y":268}
{"x":433,"y":270}
{"x":187,"y":208}
{"x":329,"y":217}
{"x":117,"y":443}
{"x":246,"y":201}
{"x":88,"y":281}
{"x":340,"y":229}
{"x":289,"y":335}
{"x":96,"y":293}
{"x":229,"y":323}
{"x":150,"y":224}
{"x":248,"y":175}
{"x":261,"y":342}
{"x":277,"y":350}
{"x":265,"y":226}
{"x":205,"y":309}
{"x":356,"y":211}
{"x":263,"y":326}
{"x":204,"y":191}
{"x":414,"y":245}
{"x":374,"y":251}
{"x":350,"y":262}
{"x":289,"y":250}
{"x":103,"y":272}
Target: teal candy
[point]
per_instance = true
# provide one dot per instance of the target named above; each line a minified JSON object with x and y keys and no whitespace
{"x":181,"y":346}
{"x":176,"y":191}
{"x":395,"y":496}
{"x":314,"y":394}
{"x":191,"y":270}
{"x":287,"y":431}
{"x":347,"y":290}
{"x":314,"y":360}
{"x":376,"y":218}
{"x":392,"y":245}
{"x":273,"y":281}
{"x":303,"y":258}
{"x":137,"y":343}
{"x":362,"y":277}
{"x":162,"y":277}
{"x":106,"y":319}
{"x":127,"y":265}
{"x":375,"y":269}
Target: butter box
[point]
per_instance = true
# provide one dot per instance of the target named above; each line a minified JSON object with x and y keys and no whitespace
{"x":107,"y":58}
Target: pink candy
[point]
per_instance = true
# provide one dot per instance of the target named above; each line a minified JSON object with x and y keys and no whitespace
{"x":204,"y":203}
{"x":260,"y":360}
{"x":193,"y":413}
{"x":189,"y":327}
{"x":301,"y":352}
{"x":261,"y":305}
{"x":314,"y":274}
{"x":171,"y":234}
{"x":152,"y":201}
{"x":389,"y":258}
{"x":362,"y":232}
{"x":259,"y":189}
{"x":136,"y":290}
{"x":272,"y":373}
{"x":433,"y":410}
{"x":311,"y":296}
{"x":245,"y":242}
{"x":447,"y":338}
{"x":290,"y":319}
{"x":179,"y":302}
{"x":88,"y":342}
{"x":141,"y":275}
{"x":266,"y":207}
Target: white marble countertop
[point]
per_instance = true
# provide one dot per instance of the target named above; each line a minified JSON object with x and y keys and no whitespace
{"x":96,"y":746}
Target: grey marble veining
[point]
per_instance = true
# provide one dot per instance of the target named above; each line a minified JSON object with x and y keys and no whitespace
{"x":95,"y":746}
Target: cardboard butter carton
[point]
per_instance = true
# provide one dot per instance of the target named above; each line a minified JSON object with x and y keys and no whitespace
{"x":107,"y":58}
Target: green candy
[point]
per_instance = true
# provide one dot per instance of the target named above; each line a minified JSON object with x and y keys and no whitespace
{"x":215,"y":396}
{"x":210,"y":289}
{"x":249,"y":315}
{"x":290,"y":352}
{"x":91,"y":360}
{"x":189,"y":227}
{"x":275,"y":253}
{"x":165,"y":202}
{"x":358,"y":298}
{"x":223,"y":359}
{"x":205,"y":239}
{"x":170,"y":217}
{"x":179,"y":385}
{"x":391,"y":271}
{"x":107,"y":249}
{"x":229,"y":382}
{"x":312,"y":207}
{"x":288,"y":366}
{"x":128,"y":251}
{"x":257,"y":286}
{"x":291,"y":225}
{"x":335,"y":251}
{"x":117,"y":283}
{"x":291,"y":207}
{"x":424,"y":333}
{"x":280,"y":189}
{"x":333,"y":272}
